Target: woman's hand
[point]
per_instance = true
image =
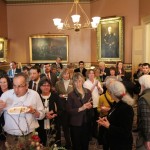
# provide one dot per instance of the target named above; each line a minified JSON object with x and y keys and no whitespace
{"x":104,"y":109}
{"x":104,"y":122}
{"x":88,"y":105}
{"x":50,"y":115}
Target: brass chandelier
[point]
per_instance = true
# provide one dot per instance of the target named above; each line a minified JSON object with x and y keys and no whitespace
{"x":76,"y":25}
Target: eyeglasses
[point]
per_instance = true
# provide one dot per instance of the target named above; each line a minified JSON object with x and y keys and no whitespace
{"x":19,"y":86}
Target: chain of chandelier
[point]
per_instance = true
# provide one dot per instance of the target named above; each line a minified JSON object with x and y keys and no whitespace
{"x":76,"y":25}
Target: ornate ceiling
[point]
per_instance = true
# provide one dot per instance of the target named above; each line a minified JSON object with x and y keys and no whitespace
{"x":39,"y":1}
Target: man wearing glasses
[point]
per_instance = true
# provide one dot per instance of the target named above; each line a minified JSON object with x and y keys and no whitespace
{"x":22,"y":109}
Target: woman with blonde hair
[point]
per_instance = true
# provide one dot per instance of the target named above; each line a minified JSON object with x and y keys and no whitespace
{"x":118,"y":123}
{"x":63,"y":87}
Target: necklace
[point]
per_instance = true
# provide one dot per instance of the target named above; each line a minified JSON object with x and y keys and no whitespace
{"x":113,"y":109}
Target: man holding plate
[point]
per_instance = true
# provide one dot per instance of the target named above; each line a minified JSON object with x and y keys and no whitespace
{"x":22,"y":109}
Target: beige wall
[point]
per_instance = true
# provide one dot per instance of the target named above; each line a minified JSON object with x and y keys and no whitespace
{"x":118,"y":8}
{"x":25,"y":20}
{"x":3,"y":19}
{"x":144,"y":8}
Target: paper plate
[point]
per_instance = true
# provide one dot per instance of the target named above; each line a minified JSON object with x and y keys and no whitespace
{"x":18,"y":110}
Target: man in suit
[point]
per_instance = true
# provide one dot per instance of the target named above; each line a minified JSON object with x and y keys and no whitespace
{"x":48,"y":74}
{"x":34,"y":75}
{"x":58,"y":63}
{"x":13,"y":70}
{"x":81,"y":68}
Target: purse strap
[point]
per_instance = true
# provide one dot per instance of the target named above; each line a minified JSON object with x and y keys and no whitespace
{"x":111,"y":104}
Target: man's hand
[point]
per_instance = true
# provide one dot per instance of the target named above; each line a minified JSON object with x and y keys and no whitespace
{"x":2,"y":105}
{"x":34,"y":112}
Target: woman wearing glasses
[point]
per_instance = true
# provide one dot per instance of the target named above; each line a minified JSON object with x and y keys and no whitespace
{"x":79,"y":106}
{"x":48,"y":130}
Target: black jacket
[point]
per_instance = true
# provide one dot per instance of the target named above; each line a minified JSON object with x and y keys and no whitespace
{"x":119,"y":134}
{"x":83,"y":71}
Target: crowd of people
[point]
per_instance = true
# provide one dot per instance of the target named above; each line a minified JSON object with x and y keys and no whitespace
{"x":83,"y":103}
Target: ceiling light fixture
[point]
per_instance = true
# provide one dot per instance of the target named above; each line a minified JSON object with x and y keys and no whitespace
{"x":76,"y":25}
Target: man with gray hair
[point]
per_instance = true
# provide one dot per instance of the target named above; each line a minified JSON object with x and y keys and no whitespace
{"x":104,"y":71}
{"x":143,"y":142}
{"x":22,"y":109}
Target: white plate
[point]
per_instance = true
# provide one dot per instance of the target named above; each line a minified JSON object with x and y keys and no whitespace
{"x":18,"y":110}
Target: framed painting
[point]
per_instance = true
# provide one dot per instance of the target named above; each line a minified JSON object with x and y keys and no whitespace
{"x":46,"y":48}
{"x":110,"y":39}
{"x":3,"y":49}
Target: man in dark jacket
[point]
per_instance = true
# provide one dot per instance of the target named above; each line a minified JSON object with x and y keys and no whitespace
{"x":81,"y":68}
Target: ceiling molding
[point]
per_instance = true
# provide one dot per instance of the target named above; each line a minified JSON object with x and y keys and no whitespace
{"x":40,"y":1}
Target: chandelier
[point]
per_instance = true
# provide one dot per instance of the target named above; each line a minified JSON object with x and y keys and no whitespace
{"x":76,"y":25}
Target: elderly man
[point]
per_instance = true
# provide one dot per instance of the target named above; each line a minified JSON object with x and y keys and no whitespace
{"x":143,"y":142}
{"x":104,"y":71}
{"x":22,"y":109}
{"x":58,"y":63}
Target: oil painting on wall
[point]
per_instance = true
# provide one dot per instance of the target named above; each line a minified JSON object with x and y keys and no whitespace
{"x":110,"y":39}
{"x":3,"y":49}
{"x":46,"y":48}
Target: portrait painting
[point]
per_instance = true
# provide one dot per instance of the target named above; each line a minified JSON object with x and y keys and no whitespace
{"x":110,"y":39}
{"x":46,"y":48}
{"x":3,"y":49}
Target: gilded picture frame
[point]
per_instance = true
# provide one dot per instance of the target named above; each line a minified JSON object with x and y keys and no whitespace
{"x":110,"y":39}
{"x":3,"y":49}
{"x":46,"y":48}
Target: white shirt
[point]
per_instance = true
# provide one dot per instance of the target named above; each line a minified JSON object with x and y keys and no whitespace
{"x":66,"y":84}
{"x":95,"y":93}
{"x":16,"y":124}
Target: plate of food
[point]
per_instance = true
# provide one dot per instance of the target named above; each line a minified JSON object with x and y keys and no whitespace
{"x":18,"y":110}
